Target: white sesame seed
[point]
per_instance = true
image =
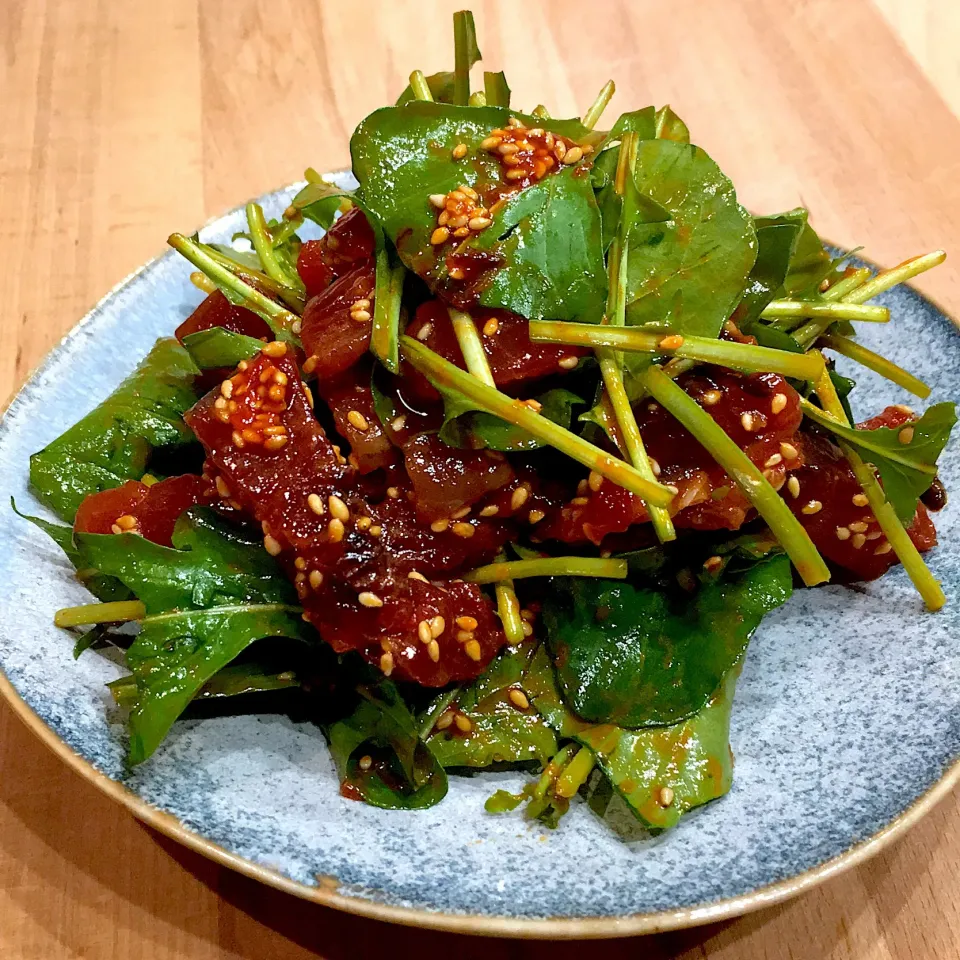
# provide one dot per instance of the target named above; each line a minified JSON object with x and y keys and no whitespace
{"x":423,"y":631}
{"x":858,"y":527}
{"x":748,"y":421}
{"x":433,"y":649}
{"x":465,"y":530}
{"x":393,"y":492}
{"x":316,"y":579}
{"x":459,"y":151}
{"x":711,"y":398}
{"x":568,"y":363}
{"x":335,"y":530}
{"x":438,"y":526}
{"x":368,"y":599}
{"x":778,"y":403}
{"x":491,"y":326}
{"x":665,"y":796}
{"x":789,"y":451}
{"x":858,"y":540}
{"x":460,"y":514}
{"x":463,"y":723}
{"x":843,"y":533}
{"x":272,"y":545}
{"x":490,"y":511}
{"x":358,"y":421}
{"x":424,"y":332}
{"x":438,"y":200}
{"x":595,"y":480}
{"x":573,"y":155}
{"x":472,"y":649}
{"x":793,"y":485}
{"x":519,"y":498}
{"x":396,"y":425}
{"x":884,"y":547}
{"x":226,"y":389}
{"x":773,"y":460}
{"x":338,"y":508}
{"x":222,"y":488}
{"x":518,"y":698}
{"x":316,"y":504}
{"x":386,"y":664}
{"x":814,"y":506}
{"x":905,"y":435}
{"x":275,"y":349}
{"x":437,"y":626}
{"x":414,"y":575}
{"x":860,"y":500}
{"x":535,"y":516}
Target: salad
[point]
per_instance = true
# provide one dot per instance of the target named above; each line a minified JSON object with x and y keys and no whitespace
{"x":502,"y":467}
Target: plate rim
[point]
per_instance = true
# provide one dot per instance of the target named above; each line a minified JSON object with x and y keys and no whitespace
{"x":326,"y":892}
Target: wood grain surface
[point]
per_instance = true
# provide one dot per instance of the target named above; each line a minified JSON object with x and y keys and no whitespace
{"x":122,"y":121}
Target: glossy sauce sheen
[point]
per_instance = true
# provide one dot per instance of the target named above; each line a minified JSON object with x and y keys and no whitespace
{"x":273,"y":486}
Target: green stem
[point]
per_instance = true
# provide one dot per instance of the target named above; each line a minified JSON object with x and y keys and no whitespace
{"x":873,"y":361}
{"x":465,"y":46}
{"x":446,"y":376}
{"x":202,"y":282}
{"x":596,"y":109}
{"x":263,"y":244}
{"x":420,"y":87}
{"x":607,"y":567}
{"x":471,"y":346}
{"x":256,"y":277}
{"x":610,"y":363}
{"x":925,"y":582}
{"x":575,"y":773}
{"x":833,"y":311}
{"x":388,"y":294}
{"x":847,"y":285}
{"x":755,"y":486}
{"x":739,"y":356}
{"x":508,"y":607}
{"x":120,"y":611}
{"x":886,"y":279}
{"x":280,"y":319}
{"x":496,"y":90}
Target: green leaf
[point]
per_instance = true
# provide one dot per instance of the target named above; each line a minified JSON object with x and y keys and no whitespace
{"x":691,"y":758}
{"x":906,"y":469}
{"x":466,"y":54}
{"x":476,"y":430}
{"x":239,"y":679}
{"x":548,"y":235}
{"x":500,"y":732}
{"x":549,"y":239}
{"x":440,"y":84}
{"x":690,"y":271}
{"x":404,"y":773}
{"x":320,"y":201}
{"x":670,"y":126}
{"x":641,"y":657}
{"x":777,"y":239}
{"x":103,"y":588}
{"x":219,"y":347}
{"x":114,"y":442}
{"x":208,"y":598}
{"x":808,"y":267}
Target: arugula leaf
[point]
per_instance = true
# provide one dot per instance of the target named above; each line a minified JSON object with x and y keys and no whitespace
{"x":690,"y":271}
{"x":403,"y":774}
{"x":103,"y":588}
{"x":641,"y":657}
{"x":114,"y":442}
{"x":547,"y":236}
{"x":906,"y":469}
{"x":208,"y":598}
{"x":475,"y":430}
{"x":218,"y":347}
{"x":500,"y":732}
{"x":692,"y":759}
{"x":496,"y":89}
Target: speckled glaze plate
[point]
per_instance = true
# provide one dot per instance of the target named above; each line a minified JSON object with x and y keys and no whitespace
{"x":846,"y":727}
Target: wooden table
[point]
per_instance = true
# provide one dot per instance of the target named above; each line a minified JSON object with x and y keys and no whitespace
{"x":124,"y":121}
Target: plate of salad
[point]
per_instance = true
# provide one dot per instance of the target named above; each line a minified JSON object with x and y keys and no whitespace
{"x":510,"y":534}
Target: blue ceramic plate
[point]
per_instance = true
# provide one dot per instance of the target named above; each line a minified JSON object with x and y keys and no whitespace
{"x":846,"y":727}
